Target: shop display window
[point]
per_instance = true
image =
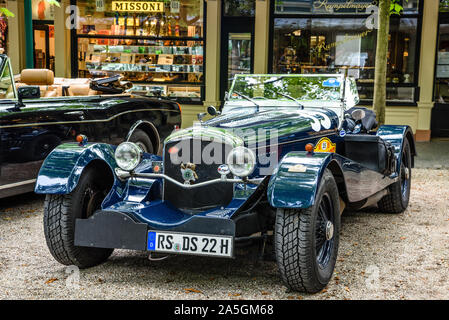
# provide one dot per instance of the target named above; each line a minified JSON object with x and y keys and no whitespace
{"x":157,"y":45}
{"x":238,"y":8}
{"x":308,"y":44}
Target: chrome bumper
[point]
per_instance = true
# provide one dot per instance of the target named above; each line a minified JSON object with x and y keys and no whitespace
{"x":123,"y":175}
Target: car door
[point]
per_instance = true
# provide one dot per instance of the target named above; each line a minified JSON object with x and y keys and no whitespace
{"x":30,"y":130}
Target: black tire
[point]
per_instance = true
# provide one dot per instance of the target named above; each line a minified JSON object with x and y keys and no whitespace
{"x":140,"y":138}
{"x":397,"y":199}
{"x":60,"y":213}
{"x":41,"y":146}
{"x":305,"y":255}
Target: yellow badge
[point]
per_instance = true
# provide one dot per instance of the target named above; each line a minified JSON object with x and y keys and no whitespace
{"x":325,"y":145}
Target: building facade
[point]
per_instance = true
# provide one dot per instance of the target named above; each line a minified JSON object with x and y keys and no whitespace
{"x":189,"y":50}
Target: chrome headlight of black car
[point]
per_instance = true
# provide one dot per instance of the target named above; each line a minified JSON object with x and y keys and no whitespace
{"x":128,"y":155}
{"x":241,"y":161}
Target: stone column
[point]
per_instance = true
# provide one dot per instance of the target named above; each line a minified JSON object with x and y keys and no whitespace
{"x":213,"y":39}
{"x":16,"y":35}
{"x":62,"y":42}
{"x":426,"y":69}
{"x":261,"y":36}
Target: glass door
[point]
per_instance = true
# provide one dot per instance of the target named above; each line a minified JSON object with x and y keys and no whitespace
{"x":44,"y":46}
{"x":440,"y":111}
{"x":237,"y":54}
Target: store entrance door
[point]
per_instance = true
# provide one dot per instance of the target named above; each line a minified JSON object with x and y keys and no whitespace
{"x":237,"y":53}
{"x":44,"y":46}
{"x":440,"y":112}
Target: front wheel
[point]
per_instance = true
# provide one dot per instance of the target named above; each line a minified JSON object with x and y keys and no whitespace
{"x":60,"y":213}
{"x":306,"y":240}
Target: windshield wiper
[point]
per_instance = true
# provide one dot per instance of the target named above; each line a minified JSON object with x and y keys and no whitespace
{"x":287,"y":96}
{"x":247,"y":98}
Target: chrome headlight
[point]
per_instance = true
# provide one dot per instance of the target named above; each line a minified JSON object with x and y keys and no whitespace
{"x":241,"y":161}
{"x":128,"y":156}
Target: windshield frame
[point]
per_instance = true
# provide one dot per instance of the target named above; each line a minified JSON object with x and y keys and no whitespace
{"x":5,"y":64}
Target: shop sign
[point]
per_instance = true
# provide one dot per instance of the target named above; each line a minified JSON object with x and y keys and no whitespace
{"x":137,"y":6}
{"x":342,"y":4}
{"x":99,"y":4}
{"x":174,"y":6}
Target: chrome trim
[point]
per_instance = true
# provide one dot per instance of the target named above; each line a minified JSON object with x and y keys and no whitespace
{"x":17,"y":184}
{"x":84,"y":121}
{"x":125,"y":175}
{"x":153,"y":128}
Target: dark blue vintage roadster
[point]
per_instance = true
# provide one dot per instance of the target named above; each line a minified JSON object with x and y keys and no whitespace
{"x":281,"y":162}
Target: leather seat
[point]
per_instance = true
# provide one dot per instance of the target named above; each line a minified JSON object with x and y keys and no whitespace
{"x":43,"y":78}
{"x":55,"y":87}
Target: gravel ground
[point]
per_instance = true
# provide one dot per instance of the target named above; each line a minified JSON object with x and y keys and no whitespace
{"x":381,"y":256}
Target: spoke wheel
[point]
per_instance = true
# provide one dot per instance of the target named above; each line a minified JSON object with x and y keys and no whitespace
{"x":61,"y":212}
{"x":306,"y":240}
{"x":324,"y":232}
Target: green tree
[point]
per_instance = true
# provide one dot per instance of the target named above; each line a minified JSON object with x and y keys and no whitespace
{"x":7,"y":13}
{"x":386,"y":8}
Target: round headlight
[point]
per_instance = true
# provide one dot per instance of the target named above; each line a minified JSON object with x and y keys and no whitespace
{"x":241,"y":161}
{"x":128,"y":156}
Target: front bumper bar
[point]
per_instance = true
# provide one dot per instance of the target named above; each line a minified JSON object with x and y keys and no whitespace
{"x":126,"y":175}
{"x":117,"y":230}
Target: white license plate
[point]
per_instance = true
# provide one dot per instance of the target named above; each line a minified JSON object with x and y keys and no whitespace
{"x":198,"y":244}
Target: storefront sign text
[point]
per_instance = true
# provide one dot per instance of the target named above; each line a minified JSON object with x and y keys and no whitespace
{"x":137,"y":6}
{"x":349,"y":4}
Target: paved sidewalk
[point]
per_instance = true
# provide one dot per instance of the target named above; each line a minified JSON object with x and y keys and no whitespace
{"x":433,"y":154}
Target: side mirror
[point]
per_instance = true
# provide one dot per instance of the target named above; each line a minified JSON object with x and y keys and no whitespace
{"x":27,"y":92}
{"x":212,"y":111}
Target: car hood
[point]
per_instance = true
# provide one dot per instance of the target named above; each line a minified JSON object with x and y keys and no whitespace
{"x":284,"y":124}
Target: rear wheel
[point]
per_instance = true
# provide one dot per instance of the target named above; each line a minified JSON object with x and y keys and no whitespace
{"x":306,"y":240}
{"x":396,"y":201}
{"x":60,"y":213}
{"x":140,"y":138}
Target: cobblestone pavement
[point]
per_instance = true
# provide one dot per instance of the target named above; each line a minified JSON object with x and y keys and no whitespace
{"x":381,"y":256}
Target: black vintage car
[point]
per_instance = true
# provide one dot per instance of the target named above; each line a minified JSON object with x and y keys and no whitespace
{"x":36,"y":115}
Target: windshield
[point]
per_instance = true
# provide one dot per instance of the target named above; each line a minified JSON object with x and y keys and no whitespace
{"x":6,"y":83}
{"x":287,"y":87}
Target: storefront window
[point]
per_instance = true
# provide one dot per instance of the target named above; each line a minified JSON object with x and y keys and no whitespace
{"x":444,"y":5}
{"x":157,"y":45}
{"x":338,"y":44}
{"x":238,"y":8}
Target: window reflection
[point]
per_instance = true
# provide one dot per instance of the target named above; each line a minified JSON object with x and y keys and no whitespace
{"x":345,"y":45}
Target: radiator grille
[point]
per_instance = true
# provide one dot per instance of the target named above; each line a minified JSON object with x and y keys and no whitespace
{"x":202,"y":198}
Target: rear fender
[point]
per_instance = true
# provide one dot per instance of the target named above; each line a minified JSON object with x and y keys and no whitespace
{"x":63,"y":167}
{"x":396,"y":135}
{"x":295,"y":182}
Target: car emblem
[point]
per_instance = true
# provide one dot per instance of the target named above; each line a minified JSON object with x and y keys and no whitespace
{"x":188,"y":172}
{"x":223,"y":170}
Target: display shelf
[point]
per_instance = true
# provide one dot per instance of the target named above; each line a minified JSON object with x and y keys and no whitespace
{"x":171,"y":68}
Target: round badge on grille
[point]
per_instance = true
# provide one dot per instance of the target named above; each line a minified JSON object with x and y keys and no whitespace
{"x":223,"y":170}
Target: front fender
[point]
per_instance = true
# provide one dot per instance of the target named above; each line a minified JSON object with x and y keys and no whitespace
{"x":63,"y":167}
{"x":297,"y":188}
